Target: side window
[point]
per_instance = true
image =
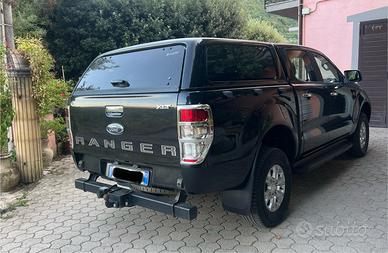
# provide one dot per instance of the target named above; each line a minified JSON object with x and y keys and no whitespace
{"x":328,"y":71}
{"x":230,"y":62}
{"x":300,"y":67}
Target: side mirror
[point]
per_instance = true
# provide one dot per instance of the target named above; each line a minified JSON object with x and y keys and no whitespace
{"x":353,"y":75}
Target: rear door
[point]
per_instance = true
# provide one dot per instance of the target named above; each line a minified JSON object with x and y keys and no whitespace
{"x":124,"y":107}
{"x":313,"y":97}
{"x":342,"y":97}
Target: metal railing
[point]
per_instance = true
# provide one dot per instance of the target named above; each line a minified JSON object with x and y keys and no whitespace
{"x":269,"y":2}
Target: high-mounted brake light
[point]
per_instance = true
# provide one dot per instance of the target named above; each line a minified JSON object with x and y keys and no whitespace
{"x":195,"y":132}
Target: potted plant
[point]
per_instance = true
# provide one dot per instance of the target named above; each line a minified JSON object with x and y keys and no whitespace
{"x":9,"y":175}
{"x":62,"y":136}
{"x":63,"y":141}
{"x":49,"y":126}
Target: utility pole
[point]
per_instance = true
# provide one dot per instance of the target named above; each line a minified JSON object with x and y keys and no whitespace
{"x":2,"y":31}
{"x":8,"y":24}
{"x":2,"y":41}
{"x":300,"y":22}
{"x":25,"y":126}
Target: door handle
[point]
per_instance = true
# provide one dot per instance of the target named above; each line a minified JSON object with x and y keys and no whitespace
{"x":333,"y":93}
{"x":114,"y":111}
{"x":120,"y":83}
{"x":307,"y":95}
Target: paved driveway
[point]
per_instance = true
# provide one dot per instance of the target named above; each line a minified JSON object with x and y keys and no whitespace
{"x":342,"y":207}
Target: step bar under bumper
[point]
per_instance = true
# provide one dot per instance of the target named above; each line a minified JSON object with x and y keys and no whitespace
{"x":118,"y":197}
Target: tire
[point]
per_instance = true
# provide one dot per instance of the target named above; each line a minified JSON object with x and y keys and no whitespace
{"x":270,"y":159}
{"x":360,"y":138}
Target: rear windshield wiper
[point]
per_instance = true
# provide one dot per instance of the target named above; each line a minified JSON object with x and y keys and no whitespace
{"x":120,"y":83}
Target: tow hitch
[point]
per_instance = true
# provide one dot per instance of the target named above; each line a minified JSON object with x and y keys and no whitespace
{"x":117,"y":197}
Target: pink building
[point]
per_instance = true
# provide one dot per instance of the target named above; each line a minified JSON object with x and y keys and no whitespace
{"x":353,"y":33}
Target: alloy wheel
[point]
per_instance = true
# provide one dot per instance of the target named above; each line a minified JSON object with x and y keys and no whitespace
{"x":274,"y":188}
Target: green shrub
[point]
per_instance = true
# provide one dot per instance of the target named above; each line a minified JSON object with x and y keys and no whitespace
{"x":6,"y":110}
{"x":262,"y":31}
{"x":56,"y":125}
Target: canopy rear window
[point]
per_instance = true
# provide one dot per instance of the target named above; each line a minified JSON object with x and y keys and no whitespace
{"x":151,"y":70}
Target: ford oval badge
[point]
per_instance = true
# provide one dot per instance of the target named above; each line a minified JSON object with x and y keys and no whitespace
{"x":115,"y":129}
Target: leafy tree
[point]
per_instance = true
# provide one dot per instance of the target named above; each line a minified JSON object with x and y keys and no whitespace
{"x":255,"y":10}
{"x":262,"y":31}
{"x":207,"y":18}
{"x":31,"y":17}
{"x":79,"y":30}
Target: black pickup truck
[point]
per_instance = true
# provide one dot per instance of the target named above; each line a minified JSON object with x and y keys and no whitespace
{"x":173,"y":118}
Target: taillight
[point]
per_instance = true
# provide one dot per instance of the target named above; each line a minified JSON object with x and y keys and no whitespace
{"x":193,"y":115}
{"x":195,"y":132}
{"x":69,"y":128}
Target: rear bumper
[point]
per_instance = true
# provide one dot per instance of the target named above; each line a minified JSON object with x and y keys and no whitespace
{"x":193,"y":179}
{"x":119,"y":197}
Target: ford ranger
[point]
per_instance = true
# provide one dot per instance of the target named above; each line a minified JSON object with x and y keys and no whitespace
{"x":173,"y":118}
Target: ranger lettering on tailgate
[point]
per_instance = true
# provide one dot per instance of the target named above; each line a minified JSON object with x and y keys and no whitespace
{"x":147,"y":148}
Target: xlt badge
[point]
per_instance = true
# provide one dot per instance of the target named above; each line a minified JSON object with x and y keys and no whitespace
{"x":164,"y":107}
{"x":115,"y":129}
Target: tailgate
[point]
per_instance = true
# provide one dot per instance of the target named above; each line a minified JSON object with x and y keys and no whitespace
{"x":124,"y":106}
{"x":139,"y":129}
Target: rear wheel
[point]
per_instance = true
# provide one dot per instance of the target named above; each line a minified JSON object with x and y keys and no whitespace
{"x":360,"y":138}
{"x":272,"y":188}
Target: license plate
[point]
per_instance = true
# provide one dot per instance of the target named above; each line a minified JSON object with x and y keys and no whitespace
{"x":110,"y":167}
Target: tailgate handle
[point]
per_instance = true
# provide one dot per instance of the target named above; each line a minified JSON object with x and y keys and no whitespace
{"x":120,"y":83}
{"x":114,"y":111}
